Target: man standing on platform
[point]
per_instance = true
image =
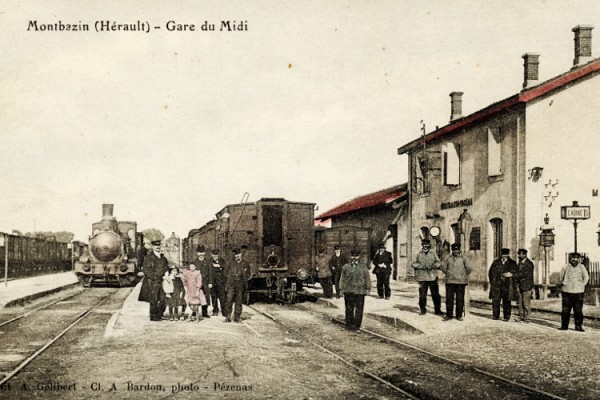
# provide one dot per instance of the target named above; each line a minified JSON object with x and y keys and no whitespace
{"x":524,"y":284}
{"x":382,"y":270}
{"x":219,"y":277}
{"x":500,"y":275}
{"x":324,"y":274}
{"x":205,"y":268}
{"x":426,"y":268}
{"x":154,"y":268}
{"x":355,"y":284}
{"x":239,"y":274}
{"x":336,"y":262}
{"x":457,"y":271}
{"x":573,"y":278}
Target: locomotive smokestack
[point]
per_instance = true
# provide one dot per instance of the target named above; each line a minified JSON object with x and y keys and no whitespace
{"x":107,"y":211}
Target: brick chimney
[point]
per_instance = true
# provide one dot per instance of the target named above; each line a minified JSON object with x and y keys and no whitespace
{"x":455,"y":105}
{"x":583,"y":44}
{"x":530,"y":69}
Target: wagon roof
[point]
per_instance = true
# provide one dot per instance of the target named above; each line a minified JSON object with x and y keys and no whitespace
{"x":381,"y":197}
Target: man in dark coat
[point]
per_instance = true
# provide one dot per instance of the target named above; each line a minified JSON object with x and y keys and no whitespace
{"x":524,"y":283}
{"x":336,"y":262}
{"x":205,"y":268}
{"x":218,"y":280}
{"x":382,"y":270}
{"x":239,"y":273}
{"x":500,"y":275}
{"x":154,"y":268}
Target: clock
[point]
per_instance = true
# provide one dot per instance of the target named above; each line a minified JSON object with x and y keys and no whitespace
{"x":434,"y":231}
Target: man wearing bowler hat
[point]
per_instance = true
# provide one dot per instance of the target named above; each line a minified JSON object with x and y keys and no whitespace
{"x":457,"y":271}
{"x":382,"y":260}
{"x":218,"y":276}
{"x":426,"y":266}
{"x":355,"y":284}
{"x":154,"y":268}
{"x":573,"y":278}
{"x":336,"y":262}
{"x":500,"y":275}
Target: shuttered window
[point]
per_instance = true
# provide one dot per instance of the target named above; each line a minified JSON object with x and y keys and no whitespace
{"x":451,"y":163}
{"x":494,"y":152}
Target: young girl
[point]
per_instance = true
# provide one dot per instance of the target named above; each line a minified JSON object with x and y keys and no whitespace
{"x":179,"y":293}
{"x":192,"y":281}
{"x":173,"y":288}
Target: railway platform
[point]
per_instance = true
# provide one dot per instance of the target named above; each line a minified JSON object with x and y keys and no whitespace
{"x":19,"y":291}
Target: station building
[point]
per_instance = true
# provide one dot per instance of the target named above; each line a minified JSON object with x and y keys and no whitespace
{"x":385,"y":214}
{"x":487,"y":180}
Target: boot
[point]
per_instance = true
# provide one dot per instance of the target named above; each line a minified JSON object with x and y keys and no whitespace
{"x":205,"y":312}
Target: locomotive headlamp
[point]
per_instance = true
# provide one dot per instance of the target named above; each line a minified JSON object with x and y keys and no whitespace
{"x":87,"y":268}
{"x":123,"y":267}
{"x":302,"y":274}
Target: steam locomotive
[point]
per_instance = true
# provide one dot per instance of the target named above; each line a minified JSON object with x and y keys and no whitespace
{"x":112,"y":254}
{"x":276,"y":238}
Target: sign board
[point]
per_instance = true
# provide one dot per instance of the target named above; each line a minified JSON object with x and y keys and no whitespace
{"x":575,"y":212}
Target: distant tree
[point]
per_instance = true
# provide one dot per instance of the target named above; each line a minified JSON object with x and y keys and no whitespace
{"x":152,"y":234}
{"x":17,"y":232}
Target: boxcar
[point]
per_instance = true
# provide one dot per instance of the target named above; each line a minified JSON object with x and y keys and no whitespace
{"x":348,"y":237}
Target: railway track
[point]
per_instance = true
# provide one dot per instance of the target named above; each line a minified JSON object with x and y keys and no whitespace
{"x":73,"y":322}
{"x":412,"y":372}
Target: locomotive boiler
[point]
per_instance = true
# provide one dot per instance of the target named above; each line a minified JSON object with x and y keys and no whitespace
{"x":275,"y":236}
{"x":112,"y":253}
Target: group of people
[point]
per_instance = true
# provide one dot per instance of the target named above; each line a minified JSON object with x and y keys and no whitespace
{"x":204,"y":282}
{"x":508,"y":279}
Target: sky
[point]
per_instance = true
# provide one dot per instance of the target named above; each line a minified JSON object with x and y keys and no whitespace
{"x":310,"y":103}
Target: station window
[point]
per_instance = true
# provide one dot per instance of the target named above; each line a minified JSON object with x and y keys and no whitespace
{"x":419,"y":175}
{"x":494,"y":152}
{"x":451,"y":164}
{"x":475,"y":239}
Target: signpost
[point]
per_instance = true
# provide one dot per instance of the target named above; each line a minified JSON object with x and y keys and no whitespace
{"x":575,"y":212}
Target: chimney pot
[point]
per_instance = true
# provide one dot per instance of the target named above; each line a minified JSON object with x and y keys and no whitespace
{"x":583,"y":44}
{"x":107,"y":211}
{"x":531,"y":69}
{"x":455,"y":105}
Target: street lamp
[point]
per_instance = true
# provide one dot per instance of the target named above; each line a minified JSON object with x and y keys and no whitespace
{"x":546,"y":240}
{"x":464,"y":223}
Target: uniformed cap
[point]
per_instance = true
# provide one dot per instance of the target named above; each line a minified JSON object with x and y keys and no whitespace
{"x":425,"y":241}
{"x":336,"y":247}
{"x":321,"y":250}
{"x":455,"y":246}
{"x":244,"y":247}
{"x":522,"y":251}
{"x":215,"y":251}
{"x":505,"y":252}
{"x":382,"y":246}
{"x":156,"y":243}
{"x":237,"y":251}
{"x":200,"y":249}
{"x":574,"y":255}
{"x":354,"y":252}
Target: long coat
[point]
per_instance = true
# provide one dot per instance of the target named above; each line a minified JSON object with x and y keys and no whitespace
{"x":384,"y":258}
{"x":524,"y":276}
{"x":498,"y":283}
{"x":205,"y":268}
{"x":218,"y":274}
{"x":154,"y":269}
{"x":192,"y":281}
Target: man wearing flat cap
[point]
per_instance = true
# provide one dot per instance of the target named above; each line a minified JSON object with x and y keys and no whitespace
{"x":205,"y":268}
{"x":154,"y":268}
{"x":523,"y":284}
{"x":457,"y":271}
{"x":336,"y":262}
{"x":426,"y":266}
{"x":218,"y":277}
{"x":382,"y":260}
{"x":573,"y":278}
{"x":239,"y":273}
{"x":355,"y":284}
{"x":500,"y":275}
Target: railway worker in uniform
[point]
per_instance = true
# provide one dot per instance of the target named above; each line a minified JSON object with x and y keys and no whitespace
{"x":324,"y":274}
{"x":154,"y":268}
{"x":355,"y":284}
{"x":500,"y":275}
{"x":457,"y":271}
{"x":524,"y":283}
{"x":426,"y":266}
{"x":573,"y":278}
{"x":205,"y":268}
{"x":218,"y":277}
{"x":382,"y":261}
{"x":194,"y":296}
{"x":239,"y":273}
{"x":336,"y":262}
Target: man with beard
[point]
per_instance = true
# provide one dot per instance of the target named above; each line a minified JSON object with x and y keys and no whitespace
{"x":154,"y":268}
{"x":239,"y":273}
{"x":205,"y":268}
{"x":355,"y":284}
{"x":524,"y":284}
{"x":219,"y":278}
{"x":573,"y":278}
{"x":500,"y":275}
{"x":426,"y":266}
